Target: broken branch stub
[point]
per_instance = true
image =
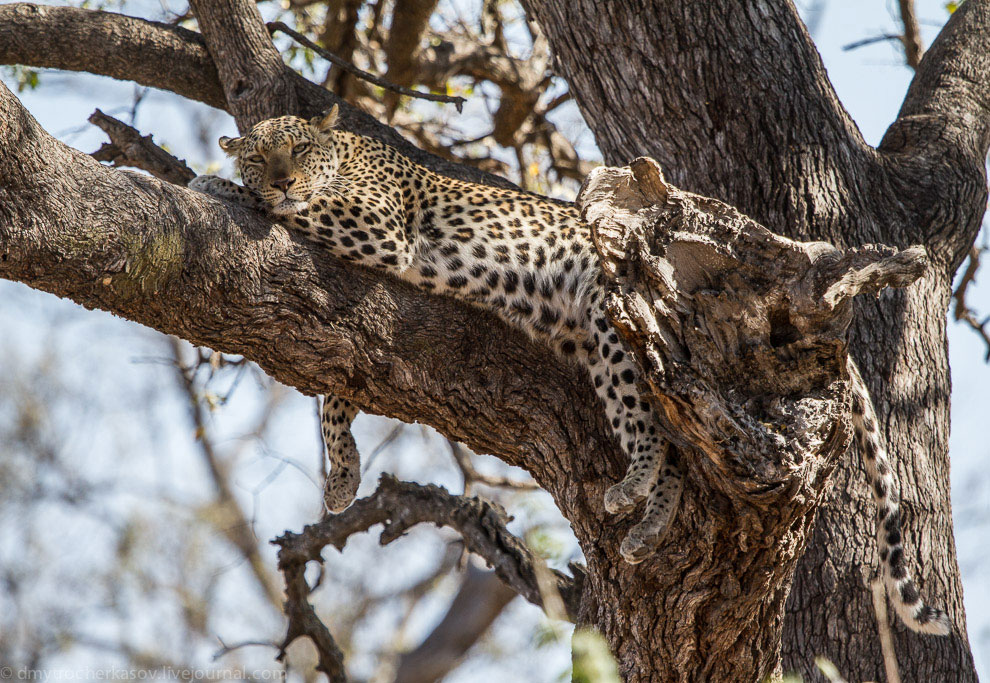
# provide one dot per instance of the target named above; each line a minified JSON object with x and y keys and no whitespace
{"x":741,"y":333}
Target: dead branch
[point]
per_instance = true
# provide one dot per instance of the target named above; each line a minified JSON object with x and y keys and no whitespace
{"x":697,"y":286}
{"x":402,"y":505}
{"x":128,"y":147}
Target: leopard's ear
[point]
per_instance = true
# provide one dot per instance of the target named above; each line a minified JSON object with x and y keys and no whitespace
{"x":324,"y":123}
{"x":231,"y":145}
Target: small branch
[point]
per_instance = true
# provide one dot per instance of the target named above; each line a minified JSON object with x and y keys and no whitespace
{"x":472,"y":476}
{"x":128,"y":147}
{"x":227,"y":649}
{"x":870,"y":41}
{"x":912,"y":36}
{"x":303,"y":621}
{"x":400,"y":506}
{"x":347,"y":66}
{"x":962,"y":311}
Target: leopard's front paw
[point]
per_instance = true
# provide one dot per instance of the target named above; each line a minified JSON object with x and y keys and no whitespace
{"x":203,"y":183}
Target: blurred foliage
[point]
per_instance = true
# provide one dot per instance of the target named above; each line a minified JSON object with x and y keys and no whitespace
{"x":591,"y":659}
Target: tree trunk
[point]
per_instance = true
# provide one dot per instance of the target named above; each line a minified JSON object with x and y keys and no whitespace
{"x":749,"y":117}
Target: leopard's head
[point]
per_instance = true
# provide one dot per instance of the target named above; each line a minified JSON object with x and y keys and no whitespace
{"x":287,"y":160}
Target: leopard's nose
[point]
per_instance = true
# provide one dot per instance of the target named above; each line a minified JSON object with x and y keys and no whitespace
{"x":283,"y":184}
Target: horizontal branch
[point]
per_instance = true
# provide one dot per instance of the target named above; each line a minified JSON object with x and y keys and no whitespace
{"x":401,"y":505}
{"x":110,"y":44}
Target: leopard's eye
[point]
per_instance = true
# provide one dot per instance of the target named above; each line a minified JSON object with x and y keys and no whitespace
{"x":300,"y":148}
{"x":255,"y":159}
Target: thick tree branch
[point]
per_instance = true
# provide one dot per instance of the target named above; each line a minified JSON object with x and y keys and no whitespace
{"x":715,"y":106}
{"x":400,"y":506}
{"x":126,"y":48}
{"x":950,"y":92}
{"x":936,"y":150}
{"x":112,"y":45}
{"x":250,"y":68}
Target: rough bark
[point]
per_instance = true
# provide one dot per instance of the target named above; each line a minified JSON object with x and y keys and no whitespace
{"x":185,"y":264}
{"x":249,"y":66}
{"x":750,"y":118}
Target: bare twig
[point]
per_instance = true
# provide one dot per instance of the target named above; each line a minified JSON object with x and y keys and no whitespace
{"x":883,"y":627}
{"x":472,"y":476}
{"x":128,"y":147}
{"x":962,"y":312}
{"x":227,"y":649}
{"x":347,"y":66}
{"x":870,"y":41}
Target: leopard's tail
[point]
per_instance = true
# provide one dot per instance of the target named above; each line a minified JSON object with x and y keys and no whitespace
{"x":908,"y":604}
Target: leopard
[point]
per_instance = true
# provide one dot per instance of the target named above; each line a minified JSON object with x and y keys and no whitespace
{"x":531,"y":261}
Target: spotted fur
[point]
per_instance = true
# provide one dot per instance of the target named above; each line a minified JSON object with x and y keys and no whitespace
{"x":882,"y":480}
{"x":528,"y":259}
